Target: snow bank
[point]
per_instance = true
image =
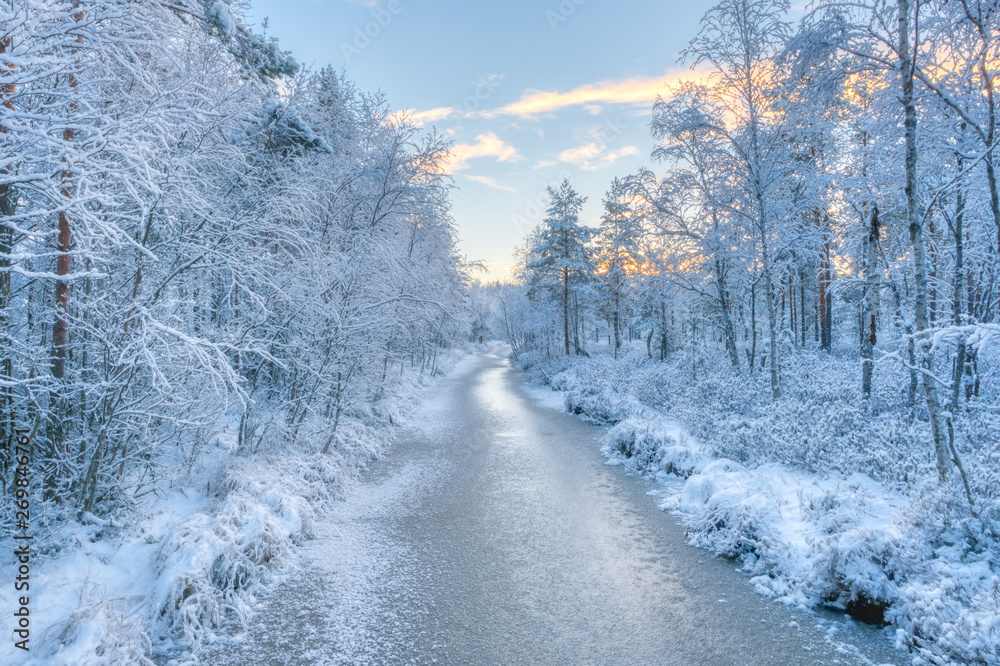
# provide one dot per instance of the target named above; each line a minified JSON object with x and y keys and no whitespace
{"x":657,"y":444}
{"x":211,"y":565}
{"x":853,"y":544}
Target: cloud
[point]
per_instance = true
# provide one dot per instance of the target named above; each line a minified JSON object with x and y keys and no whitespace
{"x":594,"y":155}
{"x":543,"y":163}
{"x":420,"y":118}
{"x":491,"y":182}
{"x":487,"y":145}
{"x":629,"y":91}
{"x":591,"y":97}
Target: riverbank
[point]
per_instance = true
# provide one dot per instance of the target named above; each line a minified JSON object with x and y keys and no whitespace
{"x":823,"y":500}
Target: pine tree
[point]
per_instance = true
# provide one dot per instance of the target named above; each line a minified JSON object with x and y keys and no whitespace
{"x":618,"y":253}
{"x":561,"y":260}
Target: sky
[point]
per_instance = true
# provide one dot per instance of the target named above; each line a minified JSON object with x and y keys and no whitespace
{"x":529,"y":91}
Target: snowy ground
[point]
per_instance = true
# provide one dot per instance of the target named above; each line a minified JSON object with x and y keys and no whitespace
{"x":907,"y":554}
{"x":194,"y":561}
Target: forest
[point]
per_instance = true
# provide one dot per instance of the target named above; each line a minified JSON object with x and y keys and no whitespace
{"x":807,"y":276}
{"x":226,"y":278}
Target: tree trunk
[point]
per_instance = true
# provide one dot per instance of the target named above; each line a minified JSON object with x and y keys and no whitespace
{"x":825,"y":298}
{"x":663,"y":332}
{"x":991,"y":177}
{"x":932,"y":297}
{"x":802,"y":306}
{"x":7,"y":199}
{"x":925,"y":351}
{"x":617,"y":325}
{"x":958,"y":277}
{"x":869,"y":319}
{"x":792,"y":321}
{"x":752,"y":351}
{"x":772,"y":315}
{"x":566,"y":309}
{"x":64,"y":241}
{"x":727,"y":318}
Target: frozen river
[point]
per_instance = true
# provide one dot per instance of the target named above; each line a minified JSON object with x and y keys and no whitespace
{"x":494,"y":533}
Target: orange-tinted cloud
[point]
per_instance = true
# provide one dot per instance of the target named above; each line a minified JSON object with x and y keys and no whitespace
{"x":487,"y":145}
{"x":629,"y":91}
{"x":492,"y":182}
{"x":421,"y":118}
{"x":635,"y":91}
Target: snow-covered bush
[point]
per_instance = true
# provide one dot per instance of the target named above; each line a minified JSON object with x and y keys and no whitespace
{"x":210,"y":567}
{"x":653,"y":443}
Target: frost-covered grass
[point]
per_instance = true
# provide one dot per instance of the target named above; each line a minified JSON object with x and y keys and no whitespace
{"x":822,"y":497}
{"x":189,"y":563}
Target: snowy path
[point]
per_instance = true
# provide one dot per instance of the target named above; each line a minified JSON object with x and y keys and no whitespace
{"x":495,"y":534}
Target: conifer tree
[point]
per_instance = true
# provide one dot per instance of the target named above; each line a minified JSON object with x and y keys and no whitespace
{"x":561,"y":260}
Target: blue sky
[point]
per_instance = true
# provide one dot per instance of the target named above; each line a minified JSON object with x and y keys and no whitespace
{"x":528,"y":91}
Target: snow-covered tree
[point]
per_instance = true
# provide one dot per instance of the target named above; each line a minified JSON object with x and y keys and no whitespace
{"x":560,"y":260}
{"x":618,"y":254}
